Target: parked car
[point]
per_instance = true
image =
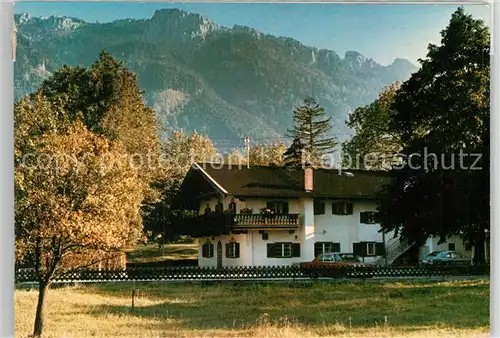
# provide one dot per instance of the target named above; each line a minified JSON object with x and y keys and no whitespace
{"x":445,"y":258}
{"x":334,"y":264}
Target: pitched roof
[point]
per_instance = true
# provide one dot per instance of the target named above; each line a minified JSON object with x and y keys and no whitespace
{"x":273,"y":181}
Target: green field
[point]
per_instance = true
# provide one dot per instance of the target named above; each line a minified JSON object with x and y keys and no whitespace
{"x":423,"y":309}
{"x":152,"y":253}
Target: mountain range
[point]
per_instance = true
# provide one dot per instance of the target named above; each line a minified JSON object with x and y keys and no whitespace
{"x":199,"y":76}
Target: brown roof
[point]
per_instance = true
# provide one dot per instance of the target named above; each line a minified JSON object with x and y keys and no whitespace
{"x":273,"y":181}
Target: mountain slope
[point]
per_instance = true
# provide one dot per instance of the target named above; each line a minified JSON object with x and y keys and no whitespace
{"x":226,"y":82}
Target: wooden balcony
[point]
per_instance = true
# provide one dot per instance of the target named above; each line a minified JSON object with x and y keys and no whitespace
{"x":217,"y":224}
{"x":269,"y":221}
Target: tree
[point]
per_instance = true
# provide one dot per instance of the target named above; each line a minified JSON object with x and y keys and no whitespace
{"x":441,"y":188}
{"x":70,"y":203}
{"x":311,"y":127}
{"x":107,"y":98}
{"x":374,"y":144}
{"x":259,"y":155}
{"x":293,"y":156}
{"x":178,"y":152}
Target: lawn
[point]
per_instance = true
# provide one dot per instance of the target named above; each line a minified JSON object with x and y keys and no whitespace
{"x":417,"y":309}
{"x":152,"y":253}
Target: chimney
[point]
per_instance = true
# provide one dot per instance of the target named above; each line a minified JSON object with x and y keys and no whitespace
{"x":308,"y":178}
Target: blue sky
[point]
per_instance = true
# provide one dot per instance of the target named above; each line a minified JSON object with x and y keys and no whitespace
{"x":381,"y":32}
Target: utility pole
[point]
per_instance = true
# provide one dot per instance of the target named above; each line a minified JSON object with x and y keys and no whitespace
{"x":247,"y":148}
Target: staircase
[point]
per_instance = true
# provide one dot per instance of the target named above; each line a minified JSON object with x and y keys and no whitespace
{"x":394,"y":249}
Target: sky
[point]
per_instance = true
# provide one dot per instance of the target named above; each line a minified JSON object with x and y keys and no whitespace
{"x":379,"y":31}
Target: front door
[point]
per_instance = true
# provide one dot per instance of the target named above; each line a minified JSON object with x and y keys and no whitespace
{"x":219,"y":255}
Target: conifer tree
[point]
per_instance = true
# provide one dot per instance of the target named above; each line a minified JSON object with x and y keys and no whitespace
{"x":293,"y":155}
{"x":311,"y":128}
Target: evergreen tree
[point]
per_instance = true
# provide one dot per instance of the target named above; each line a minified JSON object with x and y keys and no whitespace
{"x":311,"y":127}
{"x":293,"y":155}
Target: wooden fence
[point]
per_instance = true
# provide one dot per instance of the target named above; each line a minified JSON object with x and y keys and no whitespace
{"x":253,"y":273}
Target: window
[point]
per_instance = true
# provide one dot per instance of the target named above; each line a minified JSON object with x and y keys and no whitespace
{"x":207,"y":250}
{"x":319,"y":208}
{"x":365,"y":249}
{"x":233,"y":250}
{"x":368,"y":217}
{"x":451,"y":246}
{"x":370,"y":249}
{"x":265,"y":236}
{"x":278,"y":207}
{"x":325,"y":247}
{"x":283,"y":250}
{"x":342,"y":208}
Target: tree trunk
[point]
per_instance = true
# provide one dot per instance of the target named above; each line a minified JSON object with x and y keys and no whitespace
{"x":479,"y":252}
{"x":40,"y":309}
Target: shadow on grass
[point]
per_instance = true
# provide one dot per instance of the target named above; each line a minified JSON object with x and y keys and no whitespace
{"x":151,"y":252}
{"x":404,"y":306}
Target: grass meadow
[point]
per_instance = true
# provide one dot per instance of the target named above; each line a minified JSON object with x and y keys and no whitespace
{"x":151,"y":253}
{"x":319,"y":309}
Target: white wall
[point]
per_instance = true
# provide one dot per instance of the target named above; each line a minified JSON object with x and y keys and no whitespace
{"x":432,"y":245}
{"x":347,"y":229}
{"x":245,"y":258}
{"x":294,"y":205}
{"x":344,"y":229}
{"x":308,"y":232}
{"x":253,"y":249}
{"x":260,"y":247}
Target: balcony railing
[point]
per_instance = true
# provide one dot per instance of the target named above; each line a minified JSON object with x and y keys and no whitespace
{"x":266,"y":220}
{"x":216,"y":224}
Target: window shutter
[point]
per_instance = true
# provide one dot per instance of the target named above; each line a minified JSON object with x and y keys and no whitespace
{"x":211,"y":250}
{"x":204,"y":250}
{"x":296,"y":250}
{"x":285,"y":207}
{"x":237,"y":250}
{"x":357,"y":249}
{"x":379,"y":249}
{"x":336,"y":247}
{"x":227,"y":249}
{"x":318,"y":249}
{"x":319,"y":208}
{"x":270,"y":250}
{"x":349,"y":209}
{"x":335,"y":209}
{"x":362,"y":217}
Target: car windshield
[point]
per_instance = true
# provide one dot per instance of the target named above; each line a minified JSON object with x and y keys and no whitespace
{"x":434,"y":254}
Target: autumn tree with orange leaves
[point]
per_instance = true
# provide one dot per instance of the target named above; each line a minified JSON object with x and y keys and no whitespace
{"x":78,"y":194}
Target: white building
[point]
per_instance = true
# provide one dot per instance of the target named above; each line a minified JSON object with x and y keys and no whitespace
{"x":289,"y":215}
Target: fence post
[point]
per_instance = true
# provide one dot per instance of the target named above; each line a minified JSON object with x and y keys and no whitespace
{"x":133,"y":298}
